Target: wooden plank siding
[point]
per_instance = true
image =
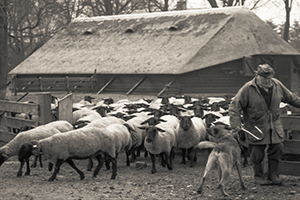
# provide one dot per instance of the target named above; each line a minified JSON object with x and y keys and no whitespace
{"x":225,"y":78}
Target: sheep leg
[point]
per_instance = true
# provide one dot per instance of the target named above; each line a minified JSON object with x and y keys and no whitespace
{"x":27,"y":167}
{"x":183,"y":152}
{"x":99,"y":166}
{"x":107,"y":161}
{"x":171,"y":156}
{"x":90,"y":164}
{"x":127,"y":157}
{"x":114,"y":166}
{"x":72,"y":164}
{"x":167,"y":160}
{"x":153,"y":163}
{"x":34,"y":162}
{"x":59,"y":162}
{"x":19,"y":174}
{"x":191,"y":156}
{"x":50,"y":166}
{"x":133,"y":156}
{"x":41,"y":162}
{"x":162,"y":158}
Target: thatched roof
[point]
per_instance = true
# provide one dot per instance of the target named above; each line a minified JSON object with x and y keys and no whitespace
{"x":155,"y":43}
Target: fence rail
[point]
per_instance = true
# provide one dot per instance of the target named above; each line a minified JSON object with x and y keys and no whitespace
{"x":47,"y":84}
{"x":9,"y":123}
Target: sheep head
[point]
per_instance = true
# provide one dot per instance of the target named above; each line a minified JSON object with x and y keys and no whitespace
{"x":25,"y":151}
{"x":151,"y":133}
{"x":36,"y":148}
{"x":186,"y":122}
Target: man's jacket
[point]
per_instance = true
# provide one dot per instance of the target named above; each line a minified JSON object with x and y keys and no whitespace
{"x":249,"y":103}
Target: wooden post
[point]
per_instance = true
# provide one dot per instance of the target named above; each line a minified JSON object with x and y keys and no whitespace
{"x":65,"y":108}
{"x":14,"y":85}
{"x":136,"y":85}
{"x":44,"y":102}
{"x":67,"y":84}
{"x":40,"y":84}
{"x":105,"y":86}
{"x":167,"y":86}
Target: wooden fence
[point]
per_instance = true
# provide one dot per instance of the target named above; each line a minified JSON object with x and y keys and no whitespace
{"x":287,"y":166}
{"x":41,"y":109}
{"x":84,"y":83}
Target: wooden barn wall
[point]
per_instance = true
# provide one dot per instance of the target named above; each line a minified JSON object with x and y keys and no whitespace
{"x":222,"y":79}
{"x":151,"y":84}
{"x":286,"y":70}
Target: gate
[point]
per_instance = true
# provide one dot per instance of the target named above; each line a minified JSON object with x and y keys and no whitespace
{"x":290,"y":162}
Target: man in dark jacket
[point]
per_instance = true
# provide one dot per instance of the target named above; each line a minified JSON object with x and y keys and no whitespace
{"x":257,"y":103}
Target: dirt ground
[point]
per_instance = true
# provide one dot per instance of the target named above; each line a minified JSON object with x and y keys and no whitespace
{"x":136,"y":182}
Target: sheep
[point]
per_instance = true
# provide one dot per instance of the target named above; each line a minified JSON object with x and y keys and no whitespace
{"x":12,"y":148}
{"x":84,"y":117}
{"x":160,"y":139}
{"x":123,"y":140}
{"x":139,"y":134}
{"x":190,"y":131}
{"x":77,"y":114}
{"x":102,"y":123}
{"x":80,"y":143}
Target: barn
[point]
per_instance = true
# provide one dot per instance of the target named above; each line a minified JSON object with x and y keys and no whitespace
{"x":208,"y":52}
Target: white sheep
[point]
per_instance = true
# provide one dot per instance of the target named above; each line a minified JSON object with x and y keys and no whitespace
{"x":123,"y":140}
{"x":13,"y":147}
{"x":190,"y":131}
{"x":102,"y":123}
{"x":80,"y":143}
{"x":139,"y":134}
{"x":79,"y":114}
{"x":160,"y":140}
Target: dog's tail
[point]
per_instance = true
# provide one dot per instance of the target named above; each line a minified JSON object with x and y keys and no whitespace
{"x":206,"y":145}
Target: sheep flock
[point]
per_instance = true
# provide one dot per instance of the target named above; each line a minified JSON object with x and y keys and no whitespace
{"x":102,"y":130}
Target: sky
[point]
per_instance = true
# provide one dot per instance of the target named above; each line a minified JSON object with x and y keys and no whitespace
{"x":267,"y":9}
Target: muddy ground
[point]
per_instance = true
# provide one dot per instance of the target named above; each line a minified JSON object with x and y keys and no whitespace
{"x":136,"y":183}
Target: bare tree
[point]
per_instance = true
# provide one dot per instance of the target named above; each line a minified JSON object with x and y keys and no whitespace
{"x":3,"y":48}
{"x":288,"y":8}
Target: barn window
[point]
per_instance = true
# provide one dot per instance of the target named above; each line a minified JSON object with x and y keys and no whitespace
{"x":88,"y":32}
{"x":129,"y":30}
{"x":173,"y":28}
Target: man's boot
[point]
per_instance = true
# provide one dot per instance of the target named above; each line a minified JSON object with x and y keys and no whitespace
{"x":272,"y":172}
{"x":258,"y":174}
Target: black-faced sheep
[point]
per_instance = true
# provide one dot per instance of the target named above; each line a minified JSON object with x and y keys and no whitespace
{"x":85,"y":115}
{"x":190,"y":131}
{"x":100,"y":123}
{"x":13,"y":147}
{"x":160,"y":140}
{"x":80,"y":143}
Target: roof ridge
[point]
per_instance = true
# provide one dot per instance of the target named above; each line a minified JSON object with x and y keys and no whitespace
{"x":162,"y":14}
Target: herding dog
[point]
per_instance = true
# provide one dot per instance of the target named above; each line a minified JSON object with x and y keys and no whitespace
{"x":225,"y":154}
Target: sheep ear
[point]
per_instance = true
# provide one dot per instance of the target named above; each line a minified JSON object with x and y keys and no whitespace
{"x":142,"y":127}
{"x":162,"y":120}
{"x":161,"y":130}
{"x":144,"y":122}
